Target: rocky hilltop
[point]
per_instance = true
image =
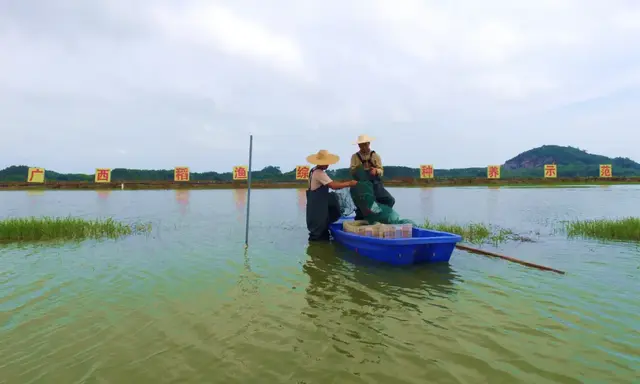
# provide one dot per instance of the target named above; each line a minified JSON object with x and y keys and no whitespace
{"x":564,"y":156}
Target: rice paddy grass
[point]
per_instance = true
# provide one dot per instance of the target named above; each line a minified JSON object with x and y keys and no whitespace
{"x":477,"y":233}
{"x":37,"y":229}
{"x":622,"y":229}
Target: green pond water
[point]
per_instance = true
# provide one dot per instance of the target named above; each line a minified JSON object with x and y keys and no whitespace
{"x":187,"y":304}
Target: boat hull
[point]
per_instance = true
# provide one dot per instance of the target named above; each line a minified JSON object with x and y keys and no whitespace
{"x":425,"y":245}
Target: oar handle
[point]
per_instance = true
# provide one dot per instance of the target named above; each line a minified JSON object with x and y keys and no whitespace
{"x":509,"y":258}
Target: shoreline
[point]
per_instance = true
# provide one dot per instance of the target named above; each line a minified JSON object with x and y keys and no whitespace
{"x":411,"y":183}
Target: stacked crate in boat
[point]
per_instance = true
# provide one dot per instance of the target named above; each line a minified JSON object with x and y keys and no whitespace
{"x":379,"y":230}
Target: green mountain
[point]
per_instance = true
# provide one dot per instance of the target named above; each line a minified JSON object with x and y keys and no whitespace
{"x":572,"y":162}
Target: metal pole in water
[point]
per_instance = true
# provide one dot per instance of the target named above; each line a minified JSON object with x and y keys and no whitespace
{"x":246,"y":229}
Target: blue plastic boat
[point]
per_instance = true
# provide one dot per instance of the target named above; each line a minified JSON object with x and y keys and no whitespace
{"x":426,"y":246}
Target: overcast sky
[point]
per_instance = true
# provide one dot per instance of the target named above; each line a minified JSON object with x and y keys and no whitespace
{"x":460,"y":83}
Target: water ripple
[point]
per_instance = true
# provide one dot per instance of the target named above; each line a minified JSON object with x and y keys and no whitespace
{"x":189,"y":304}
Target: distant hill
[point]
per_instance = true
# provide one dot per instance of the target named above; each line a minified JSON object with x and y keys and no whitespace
{"x":555,"y":154}
{"x":572,"y":162}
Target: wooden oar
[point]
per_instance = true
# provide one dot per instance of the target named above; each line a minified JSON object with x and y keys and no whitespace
{"x":491,"y":254}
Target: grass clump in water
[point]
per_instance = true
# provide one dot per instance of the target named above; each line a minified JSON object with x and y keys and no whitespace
{"x":477,"y":233}
{"x":30,"y":229}
{"x":625,"y":229}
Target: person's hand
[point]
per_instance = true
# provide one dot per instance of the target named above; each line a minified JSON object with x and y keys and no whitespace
{"x":353,"y":183}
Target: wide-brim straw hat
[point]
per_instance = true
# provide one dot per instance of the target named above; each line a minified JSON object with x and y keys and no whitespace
{"x":323,"y":157}
{"x":364,"y":139}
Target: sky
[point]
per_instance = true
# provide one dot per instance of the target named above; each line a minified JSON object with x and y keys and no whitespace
{"x":462,"y":83}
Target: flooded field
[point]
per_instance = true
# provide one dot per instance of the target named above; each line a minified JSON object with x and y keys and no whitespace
{"x":186,"y":303}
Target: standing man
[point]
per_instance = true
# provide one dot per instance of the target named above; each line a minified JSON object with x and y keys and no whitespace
{"x":372,"y":163}
{"x":323,"y":207}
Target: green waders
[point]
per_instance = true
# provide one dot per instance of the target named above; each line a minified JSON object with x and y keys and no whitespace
{"x":382,"y":195}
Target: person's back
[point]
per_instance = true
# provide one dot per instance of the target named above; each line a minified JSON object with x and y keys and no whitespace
{"x":318,"y":179}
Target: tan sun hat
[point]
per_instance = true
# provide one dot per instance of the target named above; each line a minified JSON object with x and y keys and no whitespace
{"x":323,"y":157}
{"x":364,"y":139}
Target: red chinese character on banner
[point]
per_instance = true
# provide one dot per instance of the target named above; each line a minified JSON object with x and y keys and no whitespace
{"x":493,"y":172}
{"x":550,"y":170}
{"x":426,"y":171}
{"x":182,"y":174}
{"x":302,"y":173}
{"x":34,"y":172}
{"x":605,"y":171}
{"x":103,"y":175}
{"x":241,"y":173}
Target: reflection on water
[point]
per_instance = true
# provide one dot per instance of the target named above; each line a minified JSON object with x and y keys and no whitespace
{"x":302,"y":199}
{"x":188,"y":306}
{"x":182,"y":198}
{"x":103,"y":194}
{"x":336,"y":274}
{"x":426,"y":200}
{"x":330,"y":261}
{"x":493,"y":200}
{"x":35,"y":197}
{"x":240,"y":199}
{"x":373,"y":313}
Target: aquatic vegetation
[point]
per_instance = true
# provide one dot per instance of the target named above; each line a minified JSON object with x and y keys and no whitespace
{"x":626,"y":229}
{"x":29,"y":229}
{"x":477,"y":233}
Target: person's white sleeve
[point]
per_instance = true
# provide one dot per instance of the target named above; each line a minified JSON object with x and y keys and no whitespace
{"x":323,"y":178}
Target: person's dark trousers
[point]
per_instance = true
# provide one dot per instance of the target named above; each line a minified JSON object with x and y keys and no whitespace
{"x":318,"y":214}
{"x":323,"y":208}
{"x":382,"y":195}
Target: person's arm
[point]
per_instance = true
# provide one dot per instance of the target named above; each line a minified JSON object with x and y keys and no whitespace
{"x":378,"y":163}
{"x":355,"y":161}
{"x":324,"y":179}
{"x":342,"y":184}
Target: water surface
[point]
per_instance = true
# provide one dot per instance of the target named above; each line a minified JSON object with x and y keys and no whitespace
{"x":188,"y":304}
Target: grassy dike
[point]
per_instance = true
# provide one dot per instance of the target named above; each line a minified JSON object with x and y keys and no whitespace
{"x":262,"y":184}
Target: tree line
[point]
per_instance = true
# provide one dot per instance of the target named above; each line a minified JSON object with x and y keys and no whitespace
{"x":274,"y":173}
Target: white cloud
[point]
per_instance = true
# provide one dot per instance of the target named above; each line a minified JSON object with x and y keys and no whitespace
{"x":509,"y":86}
{"x":187,"y":80}
{"x":627,"y":20}
{"x":213,"y":24}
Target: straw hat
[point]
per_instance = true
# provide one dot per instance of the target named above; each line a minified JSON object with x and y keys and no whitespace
{"x":323,"y":157}
{"x":364,"y":139}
